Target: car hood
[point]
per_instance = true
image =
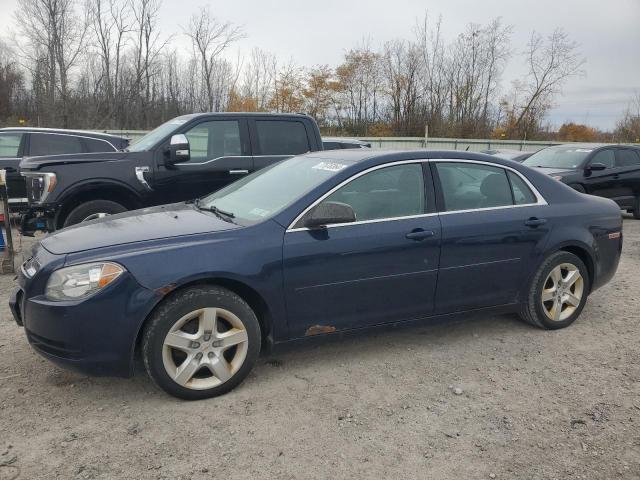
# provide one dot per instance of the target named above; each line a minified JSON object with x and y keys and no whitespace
{"x":36,"y":163}
{"x":555,"y":171}
{"x":154,"y":223}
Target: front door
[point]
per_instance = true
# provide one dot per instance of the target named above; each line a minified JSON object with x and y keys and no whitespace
{"x":219,"y":154}
{"x":492,"y":223}
{"x":381,"y":268}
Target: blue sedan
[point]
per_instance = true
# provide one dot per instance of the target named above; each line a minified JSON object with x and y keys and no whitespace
{"x":319,"y":244}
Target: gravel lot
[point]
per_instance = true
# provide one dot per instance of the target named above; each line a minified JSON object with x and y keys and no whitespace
{"x":477,"y":398}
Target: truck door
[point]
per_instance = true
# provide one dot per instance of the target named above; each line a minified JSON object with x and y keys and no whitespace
{"x":274,"y":139}
{"x":220,"y":153}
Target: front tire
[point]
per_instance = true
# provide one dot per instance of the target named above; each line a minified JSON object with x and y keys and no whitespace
{"x":93,"y":210}
{"x":558,"y":292}
{"x":201,"y":343}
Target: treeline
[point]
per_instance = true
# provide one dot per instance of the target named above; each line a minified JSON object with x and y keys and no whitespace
{"x":105,"y":64}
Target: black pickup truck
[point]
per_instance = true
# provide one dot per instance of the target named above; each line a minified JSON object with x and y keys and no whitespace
{"x":182,"y":159}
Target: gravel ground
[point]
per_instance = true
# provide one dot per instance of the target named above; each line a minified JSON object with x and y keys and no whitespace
{"x":477,"y":398}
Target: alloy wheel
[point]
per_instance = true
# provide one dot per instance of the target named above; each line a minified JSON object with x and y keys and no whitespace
{"x":205,"y":348}
{"x":562,"y":292}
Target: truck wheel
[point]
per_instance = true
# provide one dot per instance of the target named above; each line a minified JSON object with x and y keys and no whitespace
{"x":93,"y":210}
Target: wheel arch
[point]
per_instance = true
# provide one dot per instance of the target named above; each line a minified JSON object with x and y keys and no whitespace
{"x":242,"y":289}
{"x":103,"y":190}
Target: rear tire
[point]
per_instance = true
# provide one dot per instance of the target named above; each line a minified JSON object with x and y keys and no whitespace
{"x":201,"y":343}
{"x":558,"y":292}
{"x":92,"y":210}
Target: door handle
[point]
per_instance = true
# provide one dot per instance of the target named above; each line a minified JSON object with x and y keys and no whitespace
{"x":419,"y":234}
{"x":616,"y":176}
{"x":535,"y":222}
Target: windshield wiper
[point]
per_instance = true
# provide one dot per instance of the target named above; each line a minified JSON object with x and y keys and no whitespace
{"x":214,"y":209}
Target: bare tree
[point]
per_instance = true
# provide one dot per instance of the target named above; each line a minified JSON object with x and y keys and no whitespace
{"x":551,"y":62}
{"x":210,"y":37}
{"x":53,"y":31}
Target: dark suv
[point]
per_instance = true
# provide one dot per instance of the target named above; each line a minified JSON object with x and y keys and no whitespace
{"x":611,"y":171}
{"x":16,"y":143}
{"x":184,"y":158}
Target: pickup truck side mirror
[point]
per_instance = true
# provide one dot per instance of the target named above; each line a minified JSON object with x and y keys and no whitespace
{"x":595,"y":167}
{"x":328,"y":213}
{"x":179,"y":150}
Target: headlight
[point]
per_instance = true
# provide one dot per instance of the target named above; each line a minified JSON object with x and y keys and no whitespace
{"x":40,"y":185}
{"x":557,"y":177}
{"x":81,"y":281}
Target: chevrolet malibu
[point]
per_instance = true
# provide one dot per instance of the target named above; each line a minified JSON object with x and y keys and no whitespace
{"x":319,"y":244}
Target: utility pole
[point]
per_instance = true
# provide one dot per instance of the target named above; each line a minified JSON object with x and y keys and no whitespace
{"x":426,"y":135}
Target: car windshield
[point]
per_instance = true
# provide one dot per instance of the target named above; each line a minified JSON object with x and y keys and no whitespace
{"x":558,"y":157}
{"x":268,"y":191}
{"x":154,"y":136}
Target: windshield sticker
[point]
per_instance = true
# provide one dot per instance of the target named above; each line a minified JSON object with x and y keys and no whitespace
{"x":260,"y":212}
{"x":329,"y":166}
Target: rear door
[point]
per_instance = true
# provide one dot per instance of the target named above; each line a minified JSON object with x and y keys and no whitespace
{"x":492,"y":222}
{"x":12,"y":146}
{"x":379,"y":269}
{"x":627,"y":176}
{"x":274,"y":139}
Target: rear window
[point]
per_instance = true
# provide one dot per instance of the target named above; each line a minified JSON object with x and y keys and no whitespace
{"x":94,"y":145}
{"x":53,"y":144}
{"x":282,"y":137}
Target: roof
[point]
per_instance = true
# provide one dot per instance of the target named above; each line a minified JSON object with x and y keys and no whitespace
{"x":86,"y":133}
{"x":343,"y":140}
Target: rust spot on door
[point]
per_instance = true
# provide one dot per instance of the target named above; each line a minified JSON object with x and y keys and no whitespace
{"x":319,"y":329}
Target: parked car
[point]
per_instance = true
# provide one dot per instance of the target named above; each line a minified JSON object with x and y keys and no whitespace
{"x":339,"y":143}
{"x":184,"y":158}
{"x":610,"y":171}
{"x":16,"y":143}
{"x":515,"y":155}
{"x":318,"y":244}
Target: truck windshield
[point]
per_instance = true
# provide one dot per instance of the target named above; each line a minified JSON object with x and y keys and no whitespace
{"x":266,"y":192}
{"x":154,"y":136}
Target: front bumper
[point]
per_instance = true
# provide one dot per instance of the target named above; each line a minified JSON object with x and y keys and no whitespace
{"x":96,"y":336}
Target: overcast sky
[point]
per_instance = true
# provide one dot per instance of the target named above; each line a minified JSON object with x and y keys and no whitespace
{"x":312,"y":33}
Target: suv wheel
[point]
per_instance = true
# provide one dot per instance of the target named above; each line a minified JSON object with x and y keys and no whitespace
{"x":93,"y":210}
{"x":558,"y":292}
{"x":636,"y":208}
{"x":201,"y":343}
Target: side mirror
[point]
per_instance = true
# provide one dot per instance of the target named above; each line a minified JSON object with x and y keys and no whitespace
{"x":595,"y":167}
{"x":328,"y":213}
{"x":179,"y":150}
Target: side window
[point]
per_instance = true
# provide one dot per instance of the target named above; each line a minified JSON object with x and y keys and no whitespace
{"x":10,"y":144}
{"x":468,"y":186}
{"x":215,"y":139}
{"x":389,"y":192}
{"x":53,"y":144}
{"x":627,"y":158}
{"x":281,"y":137}
{"x":522,"y":194}
{"x":94,"y":145}
{"x":606,"y":157}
